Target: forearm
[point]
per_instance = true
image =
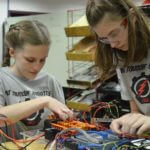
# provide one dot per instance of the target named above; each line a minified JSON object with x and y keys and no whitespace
{"x":133,"y":106}
{"x":22,"y":110}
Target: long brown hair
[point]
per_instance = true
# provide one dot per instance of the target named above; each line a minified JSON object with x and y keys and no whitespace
{"x":138,"y":35}
{"x":25,"y":32}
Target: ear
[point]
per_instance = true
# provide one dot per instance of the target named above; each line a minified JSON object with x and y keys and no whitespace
{"x":11,"y":52}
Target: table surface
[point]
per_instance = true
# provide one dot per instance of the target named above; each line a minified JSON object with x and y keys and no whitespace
{"x":36,"y":145}
{"x":33,"y":146}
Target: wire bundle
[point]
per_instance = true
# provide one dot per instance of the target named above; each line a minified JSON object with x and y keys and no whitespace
{"x":5,"y":121}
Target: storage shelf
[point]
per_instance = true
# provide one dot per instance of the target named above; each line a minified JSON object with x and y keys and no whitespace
{"x":78,"y":28}
{"x":80,"y":56}
{"x":84,"y":50}
{"x":77,"y":31}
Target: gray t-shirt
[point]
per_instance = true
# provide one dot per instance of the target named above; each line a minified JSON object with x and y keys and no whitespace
{"x":135,"y":84}
{"x":14,"y":89}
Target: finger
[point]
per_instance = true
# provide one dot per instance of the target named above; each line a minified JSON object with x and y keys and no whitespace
{"x":143,"y":128}
{"x":69,"y":113}
{"x":64,"y":117}
{"x":135,"y":127}
{"x":130,"y":125}
{"x":133,"y":130}
{"x":115,"y":126}
{"x":125,"y":128}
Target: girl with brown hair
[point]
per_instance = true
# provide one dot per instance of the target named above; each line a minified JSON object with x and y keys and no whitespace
{"x":123,"y":43}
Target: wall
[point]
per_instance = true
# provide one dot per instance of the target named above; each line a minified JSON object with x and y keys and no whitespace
{"x":3,"y":16}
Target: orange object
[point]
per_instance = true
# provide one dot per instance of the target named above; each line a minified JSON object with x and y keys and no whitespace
{"x":61,"y":125}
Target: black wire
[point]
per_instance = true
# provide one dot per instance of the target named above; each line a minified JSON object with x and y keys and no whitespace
{"x":4,"y":147}
{"x":24,"y":148}
{"x":47,"y":144}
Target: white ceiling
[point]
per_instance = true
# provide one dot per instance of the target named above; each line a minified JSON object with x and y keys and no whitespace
{"x":62,"y":2}
{"x":49,"y":4}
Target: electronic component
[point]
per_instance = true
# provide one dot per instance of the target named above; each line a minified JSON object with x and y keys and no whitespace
{"x":77,"y":135}
{"x":61,"y":125}
{"x":98,"y":140}
{"x":53,"y":126}
{"x":101,"y":140}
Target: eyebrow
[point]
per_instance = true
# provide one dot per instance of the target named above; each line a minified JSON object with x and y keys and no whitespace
{"x":26,"y":57}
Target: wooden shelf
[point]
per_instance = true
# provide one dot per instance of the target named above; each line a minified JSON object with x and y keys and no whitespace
{"x":84,"y":50}
{"x":78,"y":28}
{"x":77,"y":31}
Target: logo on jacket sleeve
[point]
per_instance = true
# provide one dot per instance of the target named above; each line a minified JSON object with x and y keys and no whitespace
{"x":141,"y":88}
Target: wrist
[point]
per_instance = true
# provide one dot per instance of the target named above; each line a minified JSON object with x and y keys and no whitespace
{"x":135,"y":111}
{"x":45,"y":100}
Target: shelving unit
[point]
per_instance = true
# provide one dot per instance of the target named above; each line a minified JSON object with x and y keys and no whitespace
{"x":82,"y":73}
{"x":81,"y":51}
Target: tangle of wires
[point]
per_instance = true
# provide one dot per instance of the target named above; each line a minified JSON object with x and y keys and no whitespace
{"x":101,"y":114}
{"x":4,"y":122}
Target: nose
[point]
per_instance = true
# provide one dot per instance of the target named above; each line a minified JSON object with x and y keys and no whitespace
{"x":37,"y":66}
{"x":113,"y":44}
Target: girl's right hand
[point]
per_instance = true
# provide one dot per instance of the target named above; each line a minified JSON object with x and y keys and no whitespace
{"x":60,"y":109}
{"x":132,"y":123}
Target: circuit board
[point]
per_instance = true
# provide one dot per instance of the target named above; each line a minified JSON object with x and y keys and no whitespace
{"x":101,"y":140}
{"x":87,"y":137}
